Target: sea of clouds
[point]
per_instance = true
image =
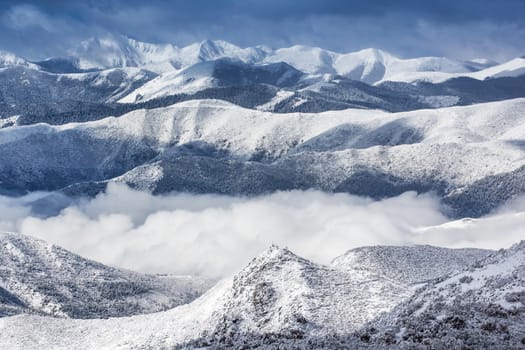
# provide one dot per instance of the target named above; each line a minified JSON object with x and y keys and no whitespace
{"x":215,"y":236}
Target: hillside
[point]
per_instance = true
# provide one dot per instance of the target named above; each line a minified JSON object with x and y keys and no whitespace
{"x":456,"y":152}
{"x":278,"y":299}
{"x":41,"y":278}
{"x":479,"y":308}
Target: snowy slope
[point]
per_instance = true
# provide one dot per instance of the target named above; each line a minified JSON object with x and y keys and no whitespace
{"x":216,"y":73}
{"x":480,"y":308}
{"x":37,"y":277}
{"x":120,"y":51}
{"x":279,"y":298}
{"x":408,"y":264}
{"x":370,"y":152}
{"x":512,"y":68}
{"x":26,"y":90}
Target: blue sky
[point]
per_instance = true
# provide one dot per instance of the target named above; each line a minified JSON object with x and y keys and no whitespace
{"x":408,"y":28}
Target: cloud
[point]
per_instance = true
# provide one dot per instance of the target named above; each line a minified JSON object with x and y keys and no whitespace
{"x":27,"y":16}
{"x":216,"y":235}
{"x":462,"y":29}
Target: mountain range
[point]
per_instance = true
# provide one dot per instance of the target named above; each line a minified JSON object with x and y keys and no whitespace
{"x":371,"y":297}
{"x":101,"y":72}
{"x":210,"y":146}
{"x":214,"y":118}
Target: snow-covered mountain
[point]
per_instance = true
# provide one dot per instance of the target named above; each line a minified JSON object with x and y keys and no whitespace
{"x":369,"y":65}
{"x":212,"y":117}
{"x":8,"y":59}
{"x":177,"y":74}
{"x":101,"y":71}
{"x":41,"y":278}
{"x":215,"y":147}
{"x":120,"y":51}
{"x":279,"y":299}
{"x":480,"y":308}
{"x":410,"y":265}
{"x":216,"y":73}
{"x":512,"y":68}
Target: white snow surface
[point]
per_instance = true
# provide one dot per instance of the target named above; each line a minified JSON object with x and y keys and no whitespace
{"x":8,"y":59}
{"x":46,"y":279}
{"x":458,"y":144}
{"x":490,"y":282}
{"x":188,"y":80}
{"x":512,"y":68}
{"x":368,"y":65}
{"x":278,"y":292}
{"x":120,"y":51}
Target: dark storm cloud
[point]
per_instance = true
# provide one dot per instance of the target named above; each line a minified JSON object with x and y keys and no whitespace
{"x":408,"y":28}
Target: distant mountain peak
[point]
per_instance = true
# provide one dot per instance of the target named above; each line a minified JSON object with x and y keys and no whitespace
{"x":8,"y":59}
{"x":369,"y":65}
{"x":209,"y":49}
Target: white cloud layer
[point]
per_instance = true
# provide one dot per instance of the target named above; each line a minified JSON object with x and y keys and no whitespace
{"x":216,"y":235}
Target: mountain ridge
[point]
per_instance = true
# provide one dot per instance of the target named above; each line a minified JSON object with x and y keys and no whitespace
{"x":42,"y":278}
{"x":278,"y":299}
{"x":363,"y":152}
{"x":368,"y":65}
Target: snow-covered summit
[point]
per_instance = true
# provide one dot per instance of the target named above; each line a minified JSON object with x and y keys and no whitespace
{"x":367,"y":65}
{"x":274,"y":254}
{"x":8,"y":59}
{"x":121,"y":51}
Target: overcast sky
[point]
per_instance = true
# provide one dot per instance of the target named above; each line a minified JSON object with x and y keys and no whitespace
{"x":456,"y":28}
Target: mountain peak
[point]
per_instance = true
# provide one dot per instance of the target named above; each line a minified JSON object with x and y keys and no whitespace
{"x":376,"y":53}
{"x":8,"y":59}
{"x":209,"y":49}
{"x":121,"y":51}
{"x":277,"y":253}
{"x":370,"y":65}
{"x":270,"y":262}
